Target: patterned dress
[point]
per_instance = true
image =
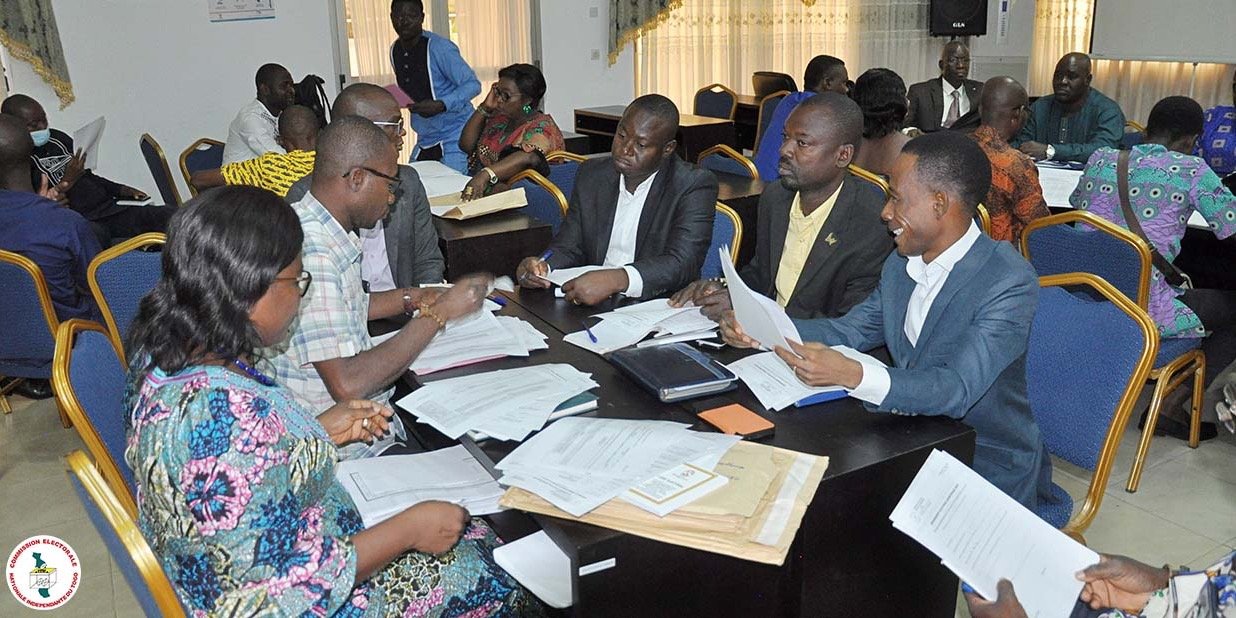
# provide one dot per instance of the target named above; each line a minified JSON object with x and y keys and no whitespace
{"x":1217,"y":598}
{"x":238,"y":498}
{"x":1217,"y":146}
{"x":501,"y":135}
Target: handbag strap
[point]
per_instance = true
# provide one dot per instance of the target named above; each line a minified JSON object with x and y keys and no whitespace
{"x":1172,"y":274}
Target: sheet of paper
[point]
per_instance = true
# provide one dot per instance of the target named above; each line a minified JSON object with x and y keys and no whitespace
{"x":437,"y":186}
{"x":615,"y":332}
{"x":759,"y":316}
{"x":483,"y":338}
{"x":983,"y":535}
{"x":384,"y":486}
{"x":773,"y":382}
{"x":87,"y":138}
{"x":670,"y":490}
{"x":562,"y":275}
{"x":1058,"y":185}
{"x":540,"y":565}
{"x":433,"y":169}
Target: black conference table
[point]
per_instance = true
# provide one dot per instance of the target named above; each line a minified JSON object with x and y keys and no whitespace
{"x":847,"y":559}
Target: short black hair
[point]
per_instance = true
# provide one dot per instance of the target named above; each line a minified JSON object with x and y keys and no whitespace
{"x":950,"y":161}
{"x":845,"y":118}
{"x":15,"y":143}
{"x":17,"y":104}
{"x":528,"y":79}
{"x":659,"y":106}
{"x":224,"y":249}
{"x":1175,"y":117}
{"x":881,"y":94}
{"x":818,"y":68}
{"x":298,"y":121}
{"x":419,"y":4}
{"x":268,"y":73}
{"x":347,"y":143}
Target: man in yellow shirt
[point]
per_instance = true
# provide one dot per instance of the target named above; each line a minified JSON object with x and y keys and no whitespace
{"x":820,"y":243}
{"x":273,"y":171}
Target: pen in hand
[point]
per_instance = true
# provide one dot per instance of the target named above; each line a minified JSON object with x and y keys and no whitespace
{"x":544,"y":256}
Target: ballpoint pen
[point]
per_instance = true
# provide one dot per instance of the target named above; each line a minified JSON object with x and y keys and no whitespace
{"x":591,"y":336}
{"x":544,"y":256}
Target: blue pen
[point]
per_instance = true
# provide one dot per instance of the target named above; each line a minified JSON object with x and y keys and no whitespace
{"x":498,"y":299}
{"x":544,"y":256}
{"x":589,"y":331}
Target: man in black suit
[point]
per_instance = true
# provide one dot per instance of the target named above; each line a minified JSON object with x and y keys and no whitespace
{"x":643,"y":214}
{"x":819,"y":239}
{"x":938,"y":103}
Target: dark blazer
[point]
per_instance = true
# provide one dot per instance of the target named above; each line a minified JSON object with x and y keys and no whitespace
{"x":927,"y":102}
{"x":411,"y":239}
{"x":675,"y":227}
{"x":838,"y":274}
{"x":970,"y":361}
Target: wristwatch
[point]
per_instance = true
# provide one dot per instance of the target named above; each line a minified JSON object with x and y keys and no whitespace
{"x":409,"y":307}
{"x":493,"y":176}
{"x":1051,"y":152}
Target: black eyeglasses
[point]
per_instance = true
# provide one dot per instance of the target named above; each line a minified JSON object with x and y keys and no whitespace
{"x":302,"y":281}
{"x":394,"y":184}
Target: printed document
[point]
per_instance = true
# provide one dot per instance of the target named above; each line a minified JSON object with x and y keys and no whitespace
{"x":759,"y":316}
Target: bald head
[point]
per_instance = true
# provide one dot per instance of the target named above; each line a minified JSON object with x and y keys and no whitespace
{"x":365,"y":100}
{"x":355,"y":174}
{"x":298,"y":128}
{"x":15,"y":149}
{"x":955,"y":63}
{"x":1071,"y":80}
{"x":346,"y":143}
{"x":1003,"y":106}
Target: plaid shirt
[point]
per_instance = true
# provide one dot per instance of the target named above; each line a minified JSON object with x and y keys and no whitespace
{"x":333,"y":317}
{"x":1015,"y":198}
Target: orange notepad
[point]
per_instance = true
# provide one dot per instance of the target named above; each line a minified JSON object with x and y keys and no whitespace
{"x":736,"y":419}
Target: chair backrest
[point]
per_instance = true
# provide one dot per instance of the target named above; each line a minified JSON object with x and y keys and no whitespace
{"x":28,"y":326}
{"x":1082,"y":414}
{"x":722,"y":158}
{"x":88,"y":377}
{"x":152,"y":152}
{"x":726,"y":231}
{"x":768,"y":105}
{"x":984,"y":219}
{"x":869,"y":176}
{"x":715,"y":101}
{"x":545,"y":201}
{"x":562,"y":174}
{"x":768,"y":82}
{"x":557,"y":156}
{"x":1054,"y":246}
{"x":124,"y":541}
{"x":204,"y":154}
{"x":120,"y":276}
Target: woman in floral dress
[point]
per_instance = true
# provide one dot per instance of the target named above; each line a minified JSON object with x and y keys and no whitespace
{"x":236,"y":482}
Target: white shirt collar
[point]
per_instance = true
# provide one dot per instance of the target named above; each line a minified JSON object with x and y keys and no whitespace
{"x":949,"y":89}
{"x":917,"y":268}
{"x":642,"y":187}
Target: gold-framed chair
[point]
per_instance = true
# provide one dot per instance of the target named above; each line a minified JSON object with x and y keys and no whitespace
{"x":204,"y":154}
{"x":984,"y":219}
{"x":1053,"y":246}
{"x":120,"y":276}
{"x":557,"y":156}
{"x":726,"y":231}
{"x":1135,"y":125}
{"x":1072,"y":408}
{"x":536,"y":178}
{"x":715,"y":101}
{"x":124,"y":540}
{"x":104,"y":376}
{"x":28,"y":329}
{"x":722,"y":158}
{"x":768,"y":105}
{"x":869,"y":176}
{"x":156,"y":161}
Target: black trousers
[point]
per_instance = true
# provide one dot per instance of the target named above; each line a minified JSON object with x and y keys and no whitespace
{"x":136,"y":220}
{"x":1217,"y":311}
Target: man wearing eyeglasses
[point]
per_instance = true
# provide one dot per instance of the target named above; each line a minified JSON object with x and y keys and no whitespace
{"x":939,"y":103}
{"x":1015,"y":198}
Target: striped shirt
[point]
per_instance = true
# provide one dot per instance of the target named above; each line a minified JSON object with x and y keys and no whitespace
{"x":273,"y":171}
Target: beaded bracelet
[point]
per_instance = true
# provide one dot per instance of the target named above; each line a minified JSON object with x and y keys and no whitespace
{"x":426,"y":312}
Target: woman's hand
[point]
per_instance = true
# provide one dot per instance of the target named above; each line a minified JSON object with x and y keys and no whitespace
{"x":463,"y":298}
{"x":1121,"y":583}
{"x":359,"y":420}
{"x":490,"y":104}
{"x":475,"y":187}
{"x":435,"y":526}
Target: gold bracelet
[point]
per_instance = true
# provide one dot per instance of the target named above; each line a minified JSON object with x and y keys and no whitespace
{"x":426,"y":312}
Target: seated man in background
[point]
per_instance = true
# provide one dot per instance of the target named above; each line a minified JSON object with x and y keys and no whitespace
{"x":938,"y":103}
{"x":254,"y":131}
{"x":954,"y":308}
{"x":823,"y":74}
{"x":1016,"y":197}
{"x":1165,"y":185}
{"x":401,"y":250}
{"x":94,"y":197}
{"x":1076,"y":121}
{"x":330,"y":357}
{"x":819,"y":241}
{"x":56,"y":239}
{"x":643,"y":214}
{"x":273,"y":171}
{"x":1217,"y":145}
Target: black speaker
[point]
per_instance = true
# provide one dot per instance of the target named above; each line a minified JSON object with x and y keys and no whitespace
{"x":958,"y":17}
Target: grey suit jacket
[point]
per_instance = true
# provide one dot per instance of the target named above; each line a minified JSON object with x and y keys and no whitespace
{"x":927,"y":102}
{"x":411,"y":239}
{"x":838,"y":274}
{"x":970,"y":360}
{"x":675,"y":226}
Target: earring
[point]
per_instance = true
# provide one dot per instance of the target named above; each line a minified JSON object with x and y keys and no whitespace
{"x":527,"y":109}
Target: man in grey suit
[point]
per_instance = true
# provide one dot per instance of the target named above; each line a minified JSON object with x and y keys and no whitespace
{"x":954,"y":308}
{"x":407,"y":237}
{"x":939,"y":103}
{"x":819,"y":241}
{"x":643,"y":214}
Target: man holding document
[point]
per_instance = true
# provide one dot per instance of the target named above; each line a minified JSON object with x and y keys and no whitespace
{"x":954,"y":308}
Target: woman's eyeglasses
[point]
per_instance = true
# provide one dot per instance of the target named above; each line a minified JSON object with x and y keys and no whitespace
{"x":302,"y":281}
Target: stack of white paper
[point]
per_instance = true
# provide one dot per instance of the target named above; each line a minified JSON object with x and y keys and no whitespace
{"x":483,"y":338}
{"x":628,"y":325}
{"x":983,"y":536}
{"x":578,"y":464}
{"x":384,"y":486}
{"x":760,"y":317}
{"x":507,"y":404}
{"x":776,"y":385}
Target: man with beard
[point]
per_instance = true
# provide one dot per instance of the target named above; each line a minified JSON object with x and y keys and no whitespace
{"x":1076,"y":121}
{"x":255,"y":130}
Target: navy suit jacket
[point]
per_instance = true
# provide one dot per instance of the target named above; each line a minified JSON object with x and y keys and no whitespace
{"x":970,"y":361}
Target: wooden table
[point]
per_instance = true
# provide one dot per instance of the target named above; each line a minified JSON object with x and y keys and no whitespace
{"x":494,"y":243}
{"x":695,"y":133}
{"x":746,"y":120}
{"x":847,"y":559}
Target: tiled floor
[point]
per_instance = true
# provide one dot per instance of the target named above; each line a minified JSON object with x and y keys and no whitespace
{"x":1184,"y":512}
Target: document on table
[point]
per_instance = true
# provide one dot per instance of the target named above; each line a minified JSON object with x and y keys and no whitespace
{"x":773,"y":382}
{"x":483,"y":338}
{"x":560,"y":276}
{"x":87,"y":138}
{"x":759,"y":316}
{"x":384,"y":486}
{"x":677,"y":487}
{"x":628,"y":325}
{"x":983,"y":535}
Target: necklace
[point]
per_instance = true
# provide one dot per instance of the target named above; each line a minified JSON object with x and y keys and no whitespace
{"x":262,"y":378}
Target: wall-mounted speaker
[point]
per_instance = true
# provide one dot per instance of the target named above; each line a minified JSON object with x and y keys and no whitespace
{"x":958,"y":17}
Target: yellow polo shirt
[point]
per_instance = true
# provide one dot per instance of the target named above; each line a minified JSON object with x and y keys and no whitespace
{"x":273,"y":171}
{"x":799,"y":239}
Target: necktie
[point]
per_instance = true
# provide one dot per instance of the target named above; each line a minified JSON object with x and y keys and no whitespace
{"x":954,"y":110}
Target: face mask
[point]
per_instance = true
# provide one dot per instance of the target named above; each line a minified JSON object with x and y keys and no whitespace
{"x":41,"y":137}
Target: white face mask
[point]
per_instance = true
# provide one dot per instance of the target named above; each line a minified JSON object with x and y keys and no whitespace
{"x":41,"y":137}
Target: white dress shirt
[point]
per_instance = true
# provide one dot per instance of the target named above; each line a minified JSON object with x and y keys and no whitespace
{"x":929,"y":278}
{"x":252,"y":134}
{"x":621,"y":250}
{"x":963,"y":102}
{"x":375,"y":262}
